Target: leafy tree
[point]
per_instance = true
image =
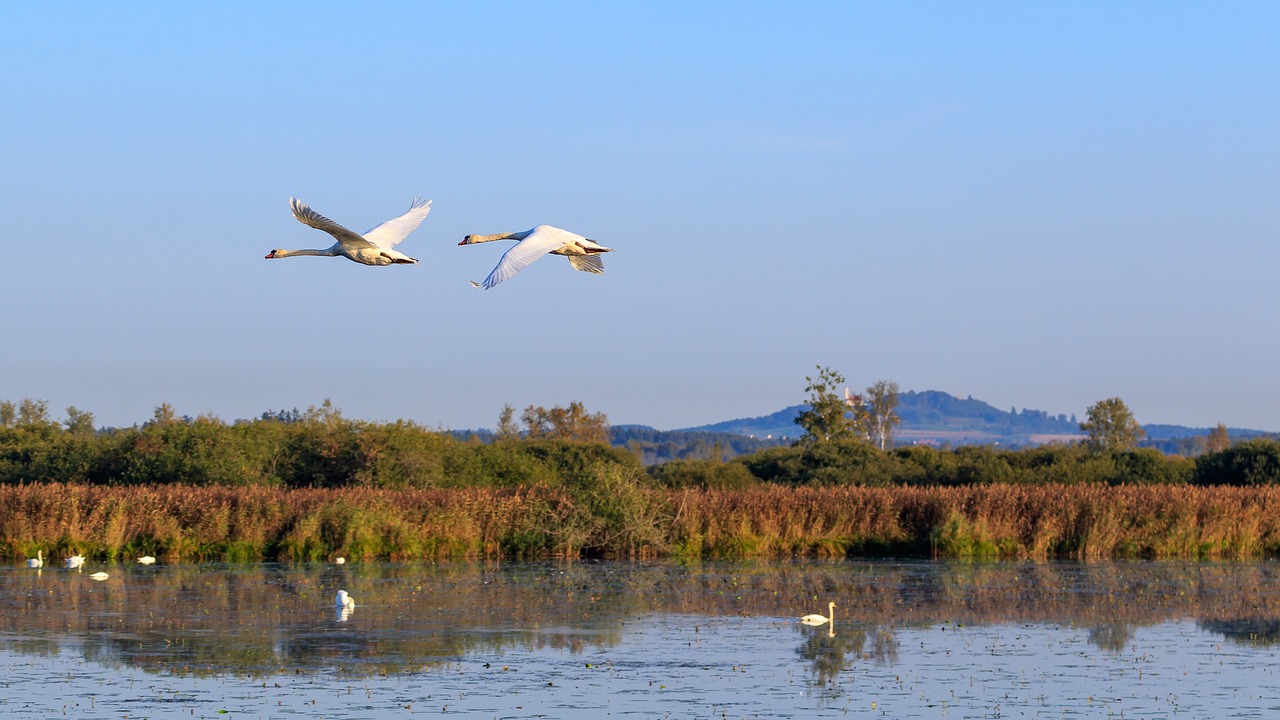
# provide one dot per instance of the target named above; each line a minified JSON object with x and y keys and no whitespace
{"x":164,"y":414}
{"x":828,"y":417}
{"x":33,"y":413}
{"x":326,"y":414}
{"x":1109,"y":425}
{"x":507,"y":428}
{"x":573,"y":424}
{"x":8,"y":413}
{"x":1219,"y":439}
{"x":880,"y":417}
{"x":79,"y":423}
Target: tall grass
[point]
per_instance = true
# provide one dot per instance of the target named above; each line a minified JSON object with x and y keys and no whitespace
{"x":618,"y":514}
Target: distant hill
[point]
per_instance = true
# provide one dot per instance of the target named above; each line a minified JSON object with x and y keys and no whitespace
{"x":938,"y":418}
{"x":930,"y":417}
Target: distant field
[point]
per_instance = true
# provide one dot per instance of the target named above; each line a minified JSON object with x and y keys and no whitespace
{"x":909,"y":436}
{"x":1047,"y":439}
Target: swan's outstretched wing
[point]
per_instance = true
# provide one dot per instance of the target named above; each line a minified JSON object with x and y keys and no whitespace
{"x":535,"y":245}
{"x":390,"y":233}
{"x":311,"y":218}
{"x":587,"y":263}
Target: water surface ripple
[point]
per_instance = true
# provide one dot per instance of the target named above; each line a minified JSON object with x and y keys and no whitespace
{"x":593,"y":640}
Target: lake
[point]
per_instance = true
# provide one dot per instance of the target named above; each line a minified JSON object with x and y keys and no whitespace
{"x":645,"y":640}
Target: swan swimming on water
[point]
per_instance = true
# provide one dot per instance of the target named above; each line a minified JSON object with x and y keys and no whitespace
{"x":37,"y":561}
{"x":343,"y":600}
{"x":816,"y":620}
{"x":75,"y":561}
{"x":146,"y":560}
{"x":99,"y":576}
{"x":533,"y":244}
{"x":373,"y":248}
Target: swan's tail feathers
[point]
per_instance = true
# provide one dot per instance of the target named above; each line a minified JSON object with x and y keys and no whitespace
{"x":587,"y":263}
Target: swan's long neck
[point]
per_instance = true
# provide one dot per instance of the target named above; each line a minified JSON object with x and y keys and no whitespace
{"x":831,"y":612}
{"x":330,"y":252}
{"x":473,"y":239}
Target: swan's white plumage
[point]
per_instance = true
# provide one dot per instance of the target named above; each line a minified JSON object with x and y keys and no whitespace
{"x":75,"y":561}
{"x":373,"y":248}
{"x":819,"y":619}
{"x":147,"y":560}
{"x":37,"y":561}
{"x":583,"y":253}
{"x":343,"y":600}
{"x":587,"y":263}
{"x":99,"y":576}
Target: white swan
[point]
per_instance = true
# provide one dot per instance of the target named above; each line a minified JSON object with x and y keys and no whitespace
{"x":75,"y":561}
{"x":820,"y":620}
{"x":344,"y":600}
{"x":339,"y":560}
{"x":147,"y":560}
{"x":99,"y":576}
{"x":37,"y":561}
{"x":535,"y":243}
{"x":372,"y":248}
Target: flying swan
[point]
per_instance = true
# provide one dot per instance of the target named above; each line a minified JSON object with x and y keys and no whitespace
{"x":820,"y":620}
{"x":533,"y":244}
{"x":373,"y":248}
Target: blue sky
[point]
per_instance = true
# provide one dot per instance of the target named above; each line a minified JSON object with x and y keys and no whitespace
{"x":1037,"y":204}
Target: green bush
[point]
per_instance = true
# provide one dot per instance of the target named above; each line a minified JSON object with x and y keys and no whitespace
{"x":705,"y":474}
{"x":1254,"y":462}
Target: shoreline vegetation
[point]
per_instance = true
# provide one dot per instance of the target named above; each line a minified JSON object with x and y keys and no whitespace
{"x":313,"y":486}
{"x":622,"y":519}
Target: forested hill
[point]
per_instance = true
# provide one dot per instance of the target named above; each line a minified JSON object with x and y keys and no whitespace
{"x":929,"y":417}
{"x":937,"y":417}
{"x":927,"y":411}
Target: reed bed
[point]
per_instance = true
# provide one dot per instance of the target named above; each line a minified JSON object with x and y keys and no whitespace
{"x":623,"y":518}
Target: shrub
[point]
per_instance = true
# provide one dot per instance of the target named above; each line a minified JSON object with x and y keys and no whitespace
{"x":1254,"y":462}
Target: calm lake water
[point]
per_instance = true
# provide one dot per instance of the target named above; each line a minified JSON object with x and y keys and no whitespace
{"x":595,"y":640}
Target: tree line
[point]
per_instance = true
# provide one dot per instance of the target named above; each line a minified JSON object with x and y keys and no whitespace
{"x":847,"y":440}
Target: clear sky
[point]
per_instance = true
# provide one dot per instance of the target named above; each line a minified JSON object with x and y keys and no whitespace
{"x":1041,"y":205}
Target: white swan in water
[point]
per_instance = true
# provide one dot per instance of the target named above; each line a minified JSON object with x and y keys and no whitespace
{"x":373,"y":248}
{"x":533,"y":244}
{"x":37,"y":561}
{"x":147,"y":560}
{"x":343,"y":600}
{"x":99,"y":576}
{"x":820,"y":620}
{"x":339,"y":560}
{"x":75,"y":561}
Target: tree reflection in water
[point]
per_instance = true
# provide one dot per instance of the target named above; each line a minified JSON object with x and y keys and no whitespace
{"x":272,"y":618}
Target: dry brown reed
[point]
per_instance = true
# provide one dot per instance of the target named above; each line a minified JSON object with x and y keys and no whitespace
{"x":187,"y":523}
